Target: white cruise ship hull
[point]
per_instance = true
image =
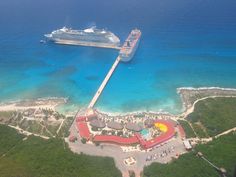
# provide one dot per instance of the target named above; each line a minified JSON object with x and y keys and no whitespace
{"x":83,"y":43}
{"x":89,"y":37}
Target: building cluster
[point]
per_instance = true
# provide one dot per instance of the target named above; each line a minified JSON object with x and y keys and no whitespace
{"x":145,"y":132}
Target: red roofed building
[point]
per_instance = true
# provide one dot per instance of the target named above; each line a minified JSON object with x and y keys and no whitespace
{"x":84,"y":132}
{"x":81,"y":118}
{"x":83,"y":129}
{"x":159,"y":139}
{"x":116,"y":139}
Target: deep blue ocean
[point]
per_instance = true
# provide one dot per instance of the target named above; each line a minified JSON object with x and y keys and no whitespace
{"x":185,"y":43}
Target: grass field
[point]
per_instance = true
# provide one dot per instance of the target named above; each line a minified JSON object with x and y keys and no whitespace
{"x":216,"y":115}
{"x":46,"y":158}
{"x":220,"y":151}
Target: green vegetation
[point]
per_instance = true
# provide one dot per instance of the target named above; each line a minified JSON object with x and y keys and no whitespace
{"x":210,"y":117}
{"x":64,"y":131}
{"x":83,"y":140}
{"x":36,"y":125}
{"x":6,"y":116}
{"x":220,"y":151}
{"x":187,"y":128}
{"x":52,"y":128}
{"x":120,"y":133}
{"x":199,"y":130}
{"x":45,"y":158}
{"x":31,"y":126}
{"x":95,"y":129}
{"x":9,"y":137}
{"x":215,"y":115}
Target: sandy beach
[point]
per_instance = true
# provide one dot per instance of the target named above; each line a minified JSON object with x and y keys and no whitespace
{"x":189,"y":96}
{"x":43,"y":103}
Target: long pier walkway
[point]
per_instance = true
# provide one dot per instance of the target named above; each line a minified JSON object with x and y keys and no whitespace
{"x":105,"y":81}
{"x":128,"y":47}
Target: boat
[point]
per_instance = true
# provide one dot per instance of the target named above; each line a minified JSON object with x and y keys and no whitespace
{"x":88,"y":37}
{"x":127,"y":51}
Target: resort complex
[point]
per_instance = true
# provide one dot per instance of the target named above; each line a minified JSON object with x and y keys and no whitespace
{"x":143,"y":132}
{"x":133,"y":140}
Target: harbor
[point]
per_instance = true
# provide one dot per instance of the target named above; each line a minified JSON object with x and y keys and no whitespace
{"x":132,"y":137}
{"x":127,"y":51}
{"x":84,"y":93}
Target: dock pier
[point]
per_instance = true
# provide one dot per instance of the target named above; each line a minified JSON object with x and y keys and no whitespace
{"x":125,"y":55}
{"x":104,"y":83}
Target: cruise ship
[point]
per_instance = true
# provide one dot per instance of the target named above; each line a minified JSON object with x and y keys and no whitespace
{"x":88,"y":37}
{"x":127,"y":51}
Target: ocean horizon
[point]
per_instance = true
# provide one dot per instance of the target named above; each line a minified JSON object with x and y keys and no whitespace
{"x":184,"y":44}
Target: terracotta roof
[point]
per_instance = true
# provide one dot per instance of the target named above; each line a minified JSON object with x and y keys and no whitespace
{"x":115,"y":139}
{"x":81,"y":118}
{"x":82,"y":127}
{"x":84,"y":133}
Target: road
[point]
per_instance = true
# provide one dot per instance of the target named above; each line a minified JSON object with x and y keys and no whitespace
{"x":117,"y":153}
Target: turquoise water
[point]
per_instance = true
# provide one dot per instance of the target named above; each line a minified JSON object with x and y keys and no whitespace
{"x":184,"y":44}
{"x":144,"y":132}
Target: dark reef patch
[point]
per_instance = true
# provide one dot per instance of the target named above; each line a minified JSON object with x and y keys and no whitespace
{"x":92,"y":78}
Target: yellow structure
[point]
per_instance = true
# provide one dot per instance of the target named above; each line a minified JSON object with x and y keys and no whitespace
{"x":161,"y":126}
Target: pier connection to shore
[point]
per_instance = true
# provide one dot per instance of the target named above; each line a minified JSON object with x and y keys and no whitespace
{"x":104,"y":83}
{"x":126,"y":53}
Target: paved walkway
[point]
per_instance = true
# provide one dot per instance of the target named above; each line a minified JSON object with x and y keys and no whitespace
{"x":27,"y":133}
{"x":62,"y":122}
{"x":226,"y":132}
{"x":104,"y":83}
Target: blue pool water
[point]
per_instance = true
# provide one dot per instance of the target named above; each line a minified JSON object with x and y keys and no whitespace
{"x":185,"y":43}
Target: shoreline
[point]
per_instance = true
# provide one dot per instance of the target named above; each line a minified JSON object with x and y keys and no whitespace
{"x":188,"y":95}
{"x":43,"y":103}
